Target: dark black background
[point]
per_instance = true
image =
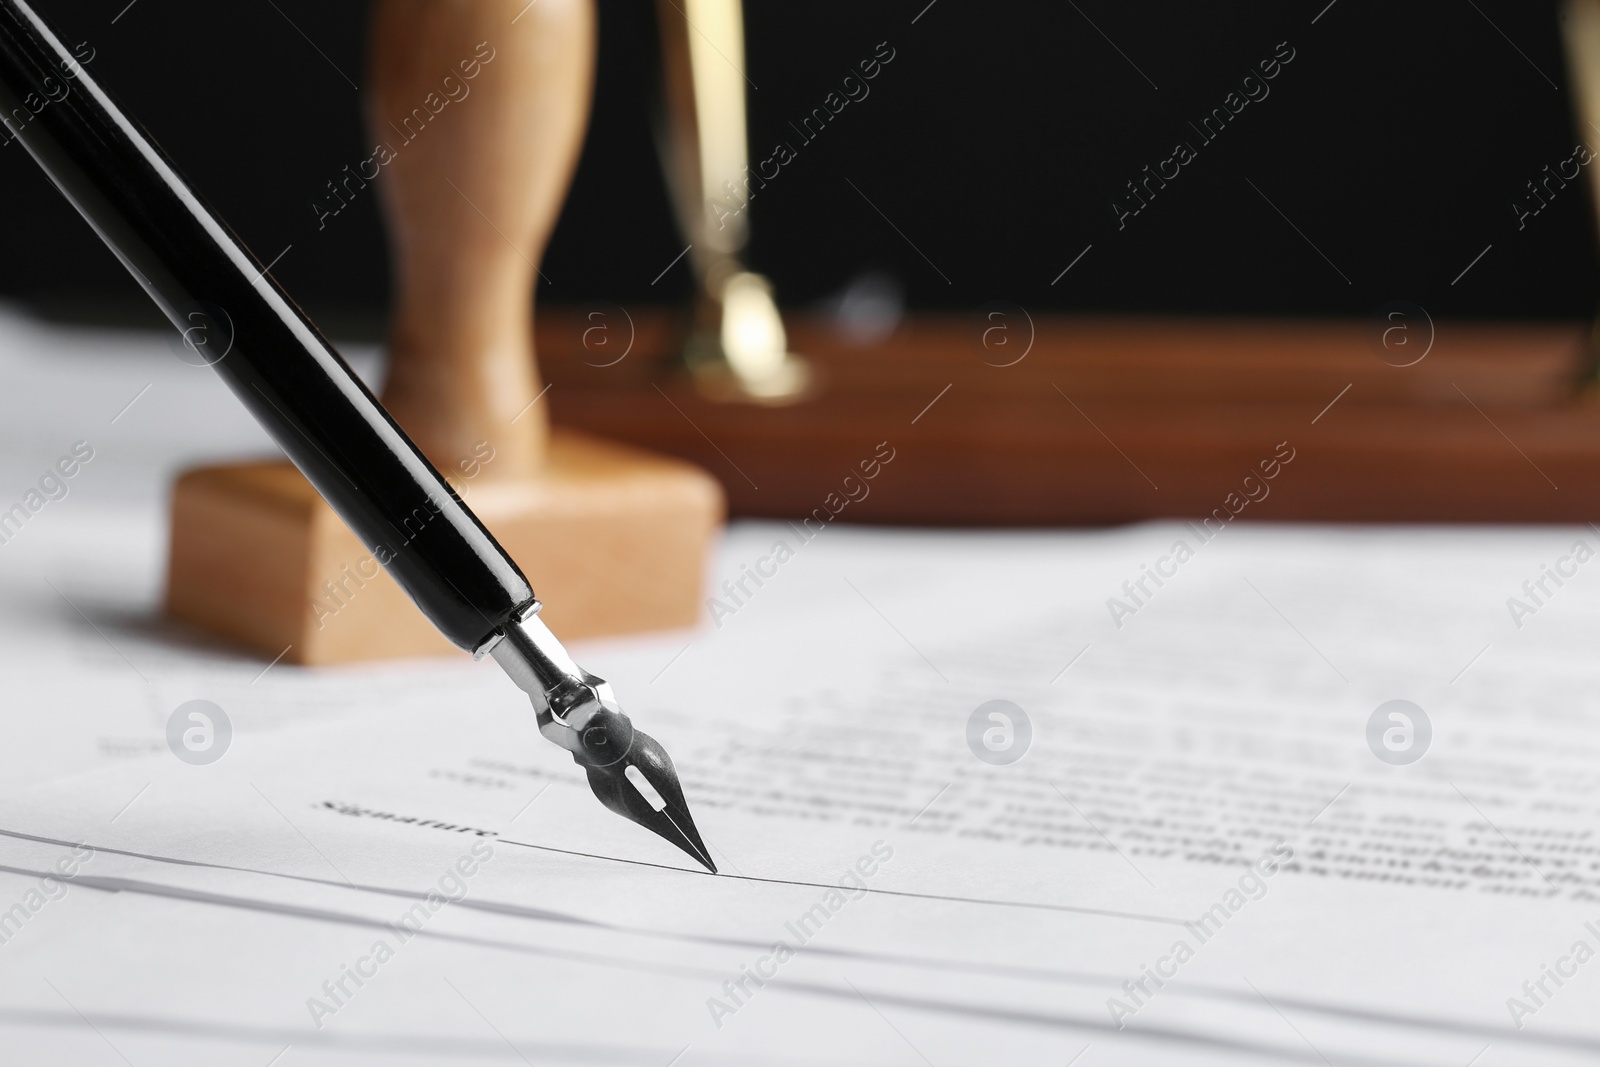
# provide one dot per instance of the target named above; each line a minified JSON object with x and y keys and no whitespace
{"x":995,"y":141}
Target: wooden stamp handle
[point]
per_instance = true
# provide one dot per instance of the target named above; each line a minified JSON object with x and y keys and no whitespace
{"x":477,"y":109}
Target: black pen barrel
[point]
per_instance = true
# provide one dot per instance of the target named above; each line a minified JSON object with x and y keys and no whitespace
{"x":236,"y":318}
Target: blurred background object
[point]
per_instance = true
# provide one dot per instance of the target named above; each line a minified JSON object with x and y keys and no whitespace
{"x":472,"y":171}
{"x":996,"y":140}
{"x":737,"y":347}
{"x":1075,"y":264}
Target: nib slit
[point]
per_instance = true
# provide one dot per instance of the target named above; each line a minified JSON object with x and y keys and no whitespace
{"x":698,"y":853}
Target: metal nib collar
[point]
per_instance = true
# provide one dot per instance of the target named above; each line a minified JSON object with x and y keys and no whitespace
{"x":628,"y":770}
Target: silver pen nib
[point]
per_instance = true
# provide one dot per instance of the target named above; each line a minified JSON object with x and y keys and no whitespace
{"x":628,"y":770}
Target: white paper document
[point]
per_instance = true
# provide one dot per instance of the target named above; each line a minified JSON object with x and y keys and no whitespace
{"x":1199,"y":857}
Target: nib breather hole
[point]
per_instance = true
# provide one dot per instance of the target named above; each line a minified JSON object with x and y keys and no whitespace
{"x":646,"y":790}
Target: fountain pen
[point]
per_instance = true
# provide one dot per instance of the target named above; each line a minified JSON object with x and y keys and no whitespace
{"x":235,"y":317}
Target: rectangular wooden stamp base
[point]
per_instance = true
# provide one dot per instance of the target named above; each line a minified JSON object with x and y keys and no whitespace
{"x":613,"y":539}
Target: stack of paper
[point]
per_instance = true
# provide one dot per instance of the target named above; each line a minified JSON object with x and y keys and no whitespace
{"x":1206,"y":853}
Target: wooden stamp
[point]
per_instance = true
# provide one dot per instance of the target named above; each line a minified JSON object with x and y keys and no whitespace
{"x":481,"y":107}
